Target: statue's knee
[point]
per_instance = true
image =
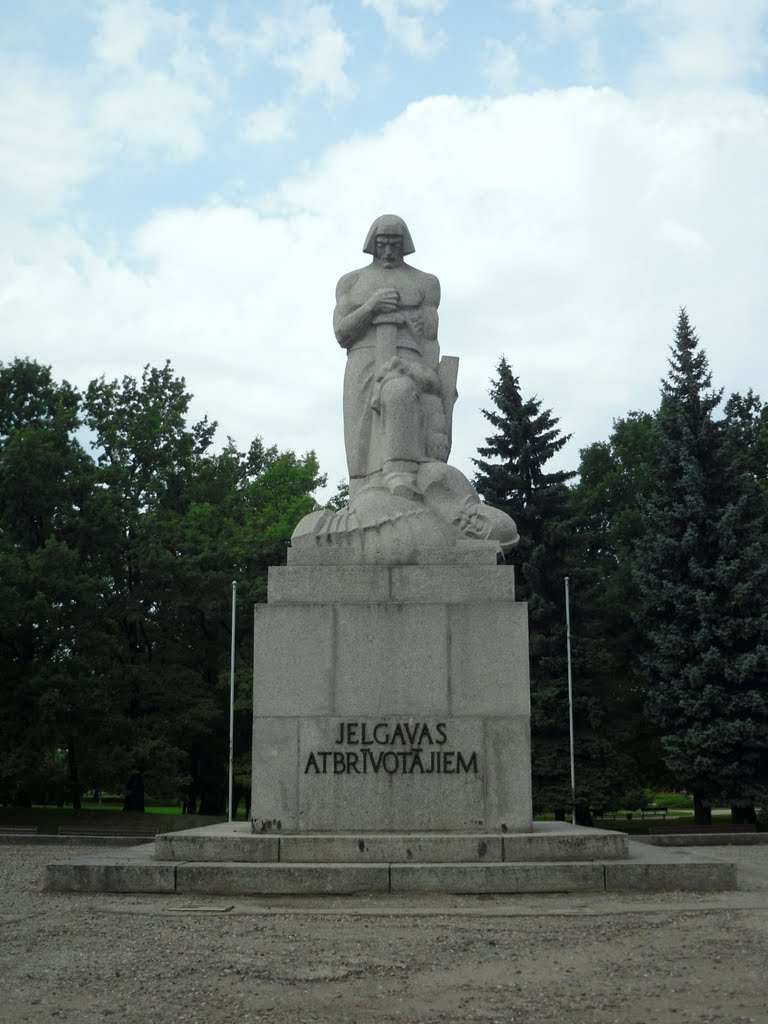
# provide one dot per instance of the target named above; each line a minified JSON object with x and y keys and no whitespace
{"x":399,"y":391}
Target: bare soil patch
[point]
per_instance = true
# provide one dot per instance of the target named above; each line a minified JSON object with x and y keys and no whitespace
{"x":578,"y":959}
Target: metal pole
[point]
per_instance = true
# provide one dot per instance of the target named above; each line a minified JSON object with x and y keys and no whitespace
{"x":232,"y":701}
{"x":570,"y":699}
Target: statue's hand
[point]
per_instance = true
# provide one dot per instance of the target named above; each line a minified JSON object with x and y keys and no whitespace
{"x":385,"y":300}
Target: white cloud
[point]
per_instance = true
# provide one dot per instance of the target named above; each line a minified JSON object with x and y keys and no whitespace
{"x":318,"y":59}
{"x":409,"y":29}
{"x":45,"y":147}
{"x":268,"y":124}
{"x":154,"y":82}
{"x":501,"y":66}
{"x":573,"y":17}
{"x":305,"y":41}
{"x":154,"y":111}
{"x":122,"y":31}
{"x":578,"y":21}
{"x":712,"y":44}
{"x":566,"y":228}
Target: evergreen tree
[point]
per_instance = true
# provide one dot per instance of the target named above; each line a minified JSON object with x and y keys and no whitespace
{"x":516,"y":481}
{"x":702,"y":578}
{"x":512,"y":476}
{"x":746,"y":421}
{"x":615,"y":478}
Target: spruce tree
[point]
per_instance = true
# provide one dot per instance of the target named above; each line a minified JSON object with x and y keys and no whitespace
{"x":516,"y":481}
{"x":702,"y":579}
{"x":615,"y":476}
{"x":512,"y":476}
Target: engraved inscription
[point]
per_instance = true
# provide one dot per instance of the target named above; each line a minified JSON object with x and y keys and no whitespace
{"x":400,"y":748}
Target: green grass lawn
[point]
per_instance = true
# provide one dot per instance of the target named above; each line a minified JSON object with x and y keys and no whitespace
{"x":679,"y":809}
{"x":48,"y":819}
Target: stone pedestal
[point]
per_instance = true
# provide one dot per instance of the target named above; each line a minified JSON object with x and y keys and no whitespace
{"x":391,"y":699}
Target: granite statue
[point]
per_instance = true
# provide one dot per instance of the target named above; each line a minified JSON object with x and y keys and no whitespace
{"x":406,"y":503}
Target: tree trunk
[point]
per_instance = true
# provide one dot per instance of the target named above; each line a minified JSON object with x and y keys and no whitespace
{"x":702,"y":813}
{"x":743,"y":814}
{"x":213,"y":803}
{"x":74,"y":775}
{"x":134,"y":792}
{"x":559,"y":814}
{"x":240,"y":793}
{"x":583,"y":817}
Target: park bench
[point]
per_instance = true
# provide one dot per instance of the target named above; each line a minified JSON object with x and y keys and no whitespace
{"x":653,"y":812}
{"x":18,"y":830}
{"x":672,"y":828}
{"x":605,"y":812}
{"x":105,"y":832}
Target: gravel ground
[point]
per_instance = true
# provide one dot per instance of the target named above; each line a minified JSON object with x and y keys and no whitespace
{"x":580,"y":959}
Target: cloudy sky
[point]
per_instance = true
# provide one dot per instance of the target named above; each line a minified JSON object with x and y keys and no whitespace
{"x":187,"y":179}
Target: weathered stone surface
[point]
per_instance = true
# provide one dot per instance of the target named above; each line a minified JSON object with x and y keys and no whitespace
{"x":275,"y":760}
{"x":408,"y":858}
{"x":394,"y":797}
{"x":367,"y":847}
{"x":705,"y":839}
{"x":347,"y":584}
{"x":407,"y":506}
{"x":412,"y":618}
{"x":444,"y":664}
{"x":468,"y":878}
{"x":402,"y":584}
{"x":391,"y":659}
{"x":652,"y":870}
{"x":111,"y":874}
{"x":559,"y":841}
{"x":284,"y":879}
{"x":235,"y":841}
{"x":452,"y":584}
{"x":485,"y":679}
{"x":245,"y":847}
{"x":292,"y":660}
{"x":508,"y":764}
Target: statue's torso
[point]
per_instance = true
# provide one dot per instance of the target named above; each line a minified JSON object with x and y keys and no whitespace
{"x":411,"y":286}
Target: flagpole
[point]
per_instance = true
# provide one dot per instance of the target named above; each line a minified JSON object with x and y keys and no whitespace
{"x":570,"y":699}
{"x":232,"y":702}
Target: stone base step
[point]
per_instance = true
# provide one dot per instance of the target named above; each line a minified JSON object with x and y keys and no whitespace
{"x":647,"y":869}
{"x":548,"y":841}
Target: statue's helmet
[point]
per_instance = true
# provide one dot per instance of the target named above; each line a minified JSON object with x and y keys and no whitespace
{"x":389,"y":224}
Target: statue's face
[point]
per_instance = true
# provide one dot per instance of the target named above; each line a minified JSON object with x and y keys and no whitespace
{"x":389,"y":250}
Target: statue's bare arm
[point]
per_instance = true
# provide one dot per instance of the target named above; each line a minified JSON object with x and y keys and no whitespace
{"x":351,"y":321}
{"x":431,"y":302}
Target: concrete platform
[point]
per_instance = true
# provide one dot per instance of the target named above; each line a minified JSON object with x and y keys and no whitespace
{"x":271,"y":865}
{"x":548,"y":841}
{"x":705,"y":839}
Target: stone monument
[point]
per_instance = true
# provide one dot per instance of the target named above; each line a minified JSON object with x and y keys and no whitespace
{"x":407,"y":505}
{"x":391,"y":700}
{"x":391,"y":660}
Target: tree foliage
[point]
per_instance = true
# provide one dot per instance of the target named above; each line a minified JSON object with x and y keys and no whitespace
{"x":615,"y":478}
{"x":115,"y":580}
{"x":512,"y":475}
{"x":702,"y":576}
